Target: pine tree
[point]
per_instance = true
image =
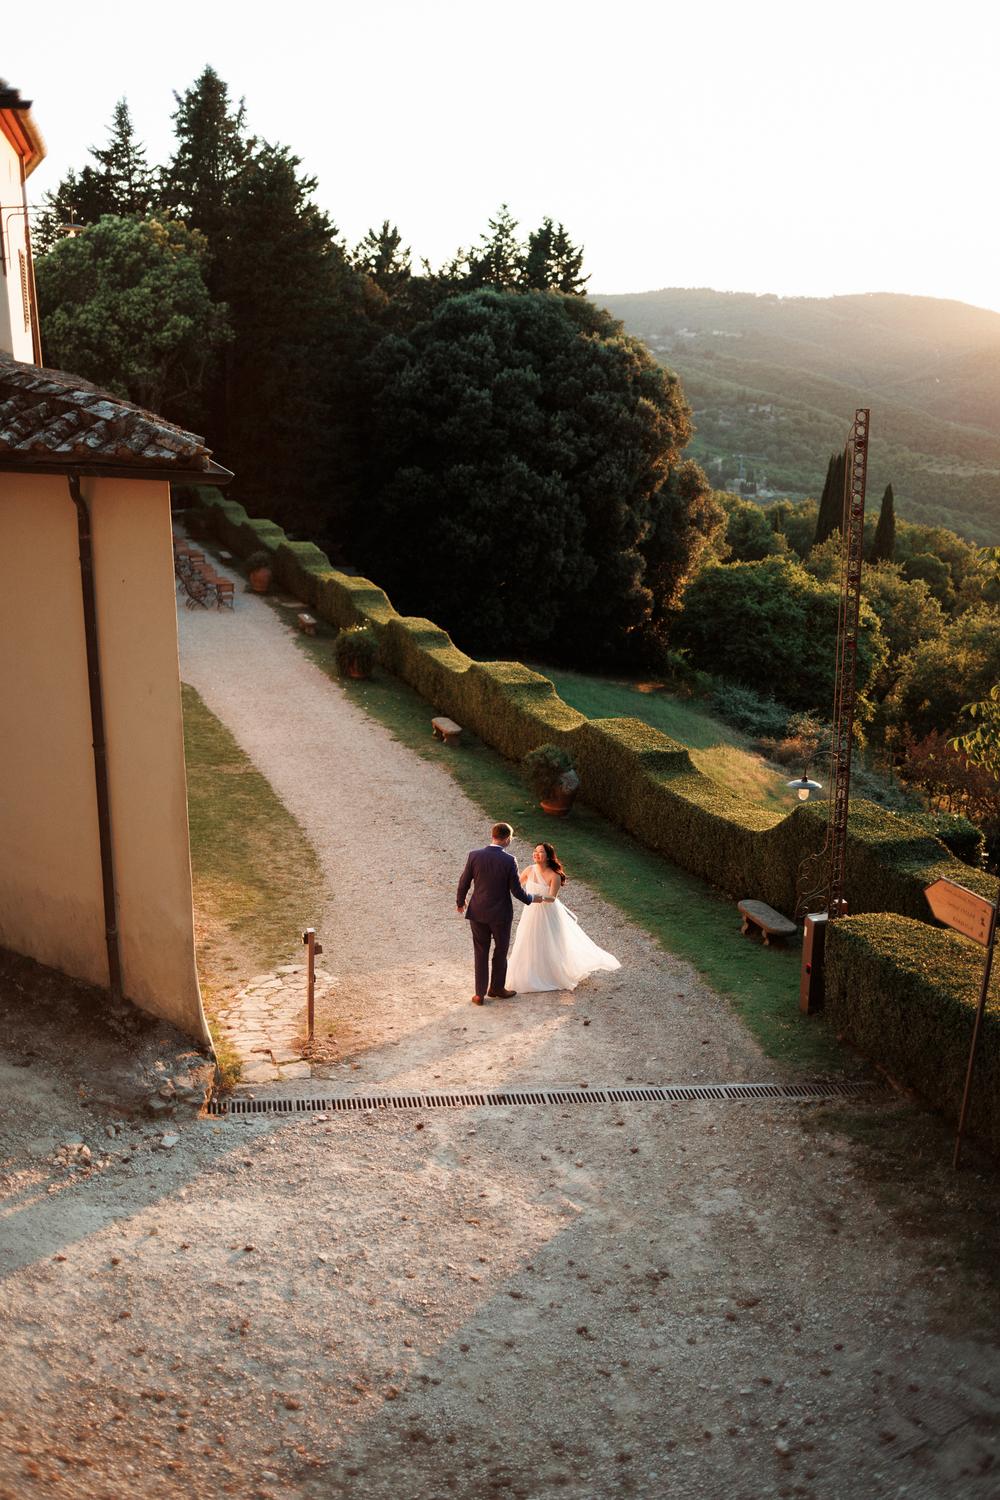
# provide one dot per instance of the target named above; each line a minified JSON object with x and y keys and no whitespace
{"x":379,"y":256}
{"x":212,"y":149}
{"x":831,"y":505}
{"x":121,"y":184}
{"x":884,"y":545}
{"x":499,"y":260}
{"x":130,"y":183}
{"x":566,"y":265}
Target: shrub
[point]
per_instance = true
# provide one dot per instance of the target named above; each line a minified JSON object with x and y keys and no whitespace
{"x":545,"y":766}
{"x":905,"y":993}
{"x":749,"y":711}
{"x":259,"y":559}
{"x":956,"y":833}
{"x":355,"y":651}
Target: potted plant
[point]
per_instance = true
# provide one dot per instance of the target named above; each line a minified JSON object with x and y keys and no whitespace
{"x":553,"y":779}
{"x":259,"y":570}
{"x":355,"y":651}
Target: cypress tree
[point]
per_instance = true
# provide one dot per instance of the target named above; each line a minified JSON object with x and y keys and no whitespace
{"x":831,"y":505}
{"x":884,"y":546}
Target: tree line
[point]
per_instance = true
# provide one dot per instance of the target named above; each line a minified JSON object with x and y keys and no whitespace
{"x":478,"y":437}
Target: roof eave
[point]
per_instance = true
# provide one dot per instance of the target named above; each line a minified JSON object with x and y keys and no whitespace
{"x":213,"y":474}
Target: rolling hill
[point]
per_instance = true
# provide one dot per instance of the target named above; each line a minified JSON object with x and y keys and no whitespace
{"x":774,"y":382}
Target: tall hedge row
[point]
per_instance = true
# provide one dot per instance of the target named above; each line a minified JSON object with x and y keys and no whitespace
{"x":905,"y":994}
{"x":636,"y":776}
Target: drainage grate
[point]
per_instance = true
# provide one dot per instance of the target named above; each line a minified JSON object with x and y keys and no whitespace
{"x":670,"y":1093}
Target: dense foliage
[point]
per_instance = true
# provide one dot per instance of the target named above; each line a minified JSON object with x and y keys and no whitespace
{"x":128,"y":307}
{"x":772,"y":624}
{"x":526,"y":483}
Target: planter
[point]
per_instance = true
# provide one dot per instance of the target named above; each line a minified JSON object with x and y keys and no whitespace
{"x":260,"y":580}
{"x":560,"y":798}
{"x":356,"y":669}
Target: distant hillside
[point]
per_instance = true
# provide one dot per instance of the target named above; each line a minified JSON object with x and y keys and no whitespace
{"x":774,"y":382}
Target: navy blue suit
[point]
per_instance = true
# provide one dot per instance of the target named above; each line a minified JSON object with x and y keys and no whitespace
{"x":492,"y":874}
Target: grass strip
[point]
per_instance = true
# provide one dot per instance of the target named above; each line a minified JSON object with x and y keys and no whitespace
{"x":254,"y":871}
{"x":686,"y":917}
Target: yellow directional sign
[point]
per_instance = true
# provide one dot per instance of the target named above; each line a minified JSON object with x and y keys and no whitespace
{"x":962,"y":909}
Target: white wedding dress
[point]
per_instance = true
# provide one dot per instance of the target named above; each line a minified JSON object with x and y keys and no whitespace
{"x":551,"y":950}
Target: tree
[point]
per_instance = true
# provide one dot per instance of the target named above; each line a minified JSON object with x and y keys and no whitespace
{"x":379,"y":256}
{"x":550,"y":262}
{"x":981,"y":743}
{"x":934,"y":571}
{"x":957,"y":667}
{"x":289,"y":399}
{"x":130,"y":182}
{"x":523,"y":456}
{"x":120,"y":184}
{"x":749,"y":534}
{"x":125,"y":304}
{"x":771,"y":623}
{"x":884,"y":546}
{"x":908,"y":613}
{"x":498,"y":262}
{"x":831,"y":504}
{"x":212,"y":149}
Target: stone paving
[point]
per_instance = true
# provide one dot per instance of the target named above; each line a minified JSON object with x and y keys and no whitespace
{"x":266,"y":1024}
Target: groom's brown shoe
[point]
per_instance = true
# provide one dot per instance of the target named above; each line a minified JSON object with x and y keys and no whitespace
{"x":477,"y":999}
{"x":501,"y":994}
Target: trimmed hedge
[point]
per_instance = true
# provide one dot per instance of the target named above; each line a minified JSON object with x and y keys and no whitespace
{"x":636,"y":776}
{"x":906,"y":994}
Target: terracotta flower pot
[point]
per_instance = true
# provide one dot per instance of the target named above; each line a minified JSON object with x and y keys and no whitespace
{"x":562,"y":795}
{"x":260,"y":580}
{"x":357,"y":670}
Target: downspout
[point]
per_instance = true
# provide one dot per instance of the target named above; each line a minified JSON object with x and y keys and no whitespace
{"x":97,"y":730}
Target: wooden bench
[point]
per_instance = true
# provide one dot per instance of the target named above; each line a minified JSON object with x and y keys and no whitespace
{"x":447,"y":730}
{"x":771,"y":922}
{"x":306,"y":624}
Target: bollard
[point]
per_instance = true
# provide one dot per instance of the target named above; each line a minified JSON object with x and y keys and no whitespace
{"x":312,"y":948}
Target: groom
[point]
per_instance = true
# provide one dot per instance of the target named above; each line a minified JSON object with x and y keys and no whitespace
{"x":492,"y":873}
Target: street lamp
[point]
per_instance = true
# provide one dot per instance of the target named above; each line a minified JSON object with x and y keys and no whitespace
{"x":804,"y":787}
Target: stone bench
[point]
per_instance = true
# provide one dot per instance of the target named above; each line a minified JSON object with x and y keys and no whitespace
{"x":306,"y":624}
{"x":447,"y":730}
{"x":771,"y":922}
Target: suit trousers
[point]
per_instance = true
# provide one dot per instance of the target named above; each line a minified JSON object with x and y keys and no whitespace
{"x":483,"y":933}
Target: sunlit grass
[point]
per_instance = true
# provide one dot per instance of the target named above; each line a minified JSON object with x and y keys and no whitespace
{"x":254,"y":872}
{"x":717,"y":750}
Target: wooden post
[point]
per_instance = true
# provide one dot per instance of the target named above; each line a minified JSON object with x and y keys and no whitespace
{"x":312,"y":948}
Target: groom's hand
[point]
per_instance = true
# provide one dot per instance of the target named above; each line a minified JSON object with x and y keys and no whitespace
{"x":460,"y":910}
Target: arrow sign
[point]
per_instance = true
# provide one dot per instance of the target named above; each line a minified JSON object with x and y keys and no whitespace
{"x":962,"y":909}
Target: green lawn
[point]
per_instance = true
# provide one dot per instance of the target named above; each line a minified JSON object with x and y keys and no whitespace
{"x":685,"y":916}
{"x":718,"y":751}
{"x":254,"y":872}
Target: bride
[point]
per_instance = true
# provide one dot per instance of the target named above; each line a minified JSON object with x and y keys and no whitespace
{"x":551,"y":951}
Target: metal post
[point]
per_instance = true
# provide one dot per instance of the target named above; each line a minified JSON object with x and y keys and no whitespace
{"x":976,"y":1028}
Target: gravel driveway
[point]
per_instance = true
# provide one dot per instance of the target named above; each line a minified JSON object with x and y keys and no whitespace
{"x":692,"y":1300}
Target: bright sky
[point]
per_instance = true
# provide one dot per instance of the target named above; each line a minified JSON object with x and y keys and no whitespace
{"x":806,"y":148}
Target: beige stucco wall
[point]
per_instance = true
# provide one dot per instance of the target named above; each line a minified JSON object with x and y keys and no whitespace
{"x":15,"y":334}
{"x":51,"y":906}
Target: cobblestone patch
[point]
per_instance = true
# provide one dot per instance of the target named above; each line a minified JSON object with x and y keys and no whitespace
{"x":266,"y":1024}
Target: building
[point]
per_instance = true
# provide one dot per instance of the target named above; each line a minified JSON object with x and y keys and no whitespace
{"x":21,"y":149}
{"x":95,"y":871}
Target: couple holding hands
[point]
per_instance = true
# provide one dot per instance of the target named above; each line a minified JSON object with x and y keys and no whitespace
{"x":551,"y":950}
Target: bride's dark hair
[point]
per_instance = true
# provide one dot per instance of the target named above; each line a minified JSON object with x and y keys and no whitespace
{"x":554,"y":863}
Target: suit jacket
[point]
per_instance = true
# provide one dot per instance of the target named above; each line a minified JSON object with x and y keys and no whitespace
{"x":492,"y":873}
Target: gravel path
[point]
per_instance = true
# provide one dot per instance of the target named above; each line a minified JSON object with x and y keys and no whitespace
{"x":692,"y":1301}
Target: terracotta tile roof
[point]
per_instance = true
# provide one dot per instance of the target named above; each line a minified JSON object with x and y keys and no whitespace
{"x":49,"y":419}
